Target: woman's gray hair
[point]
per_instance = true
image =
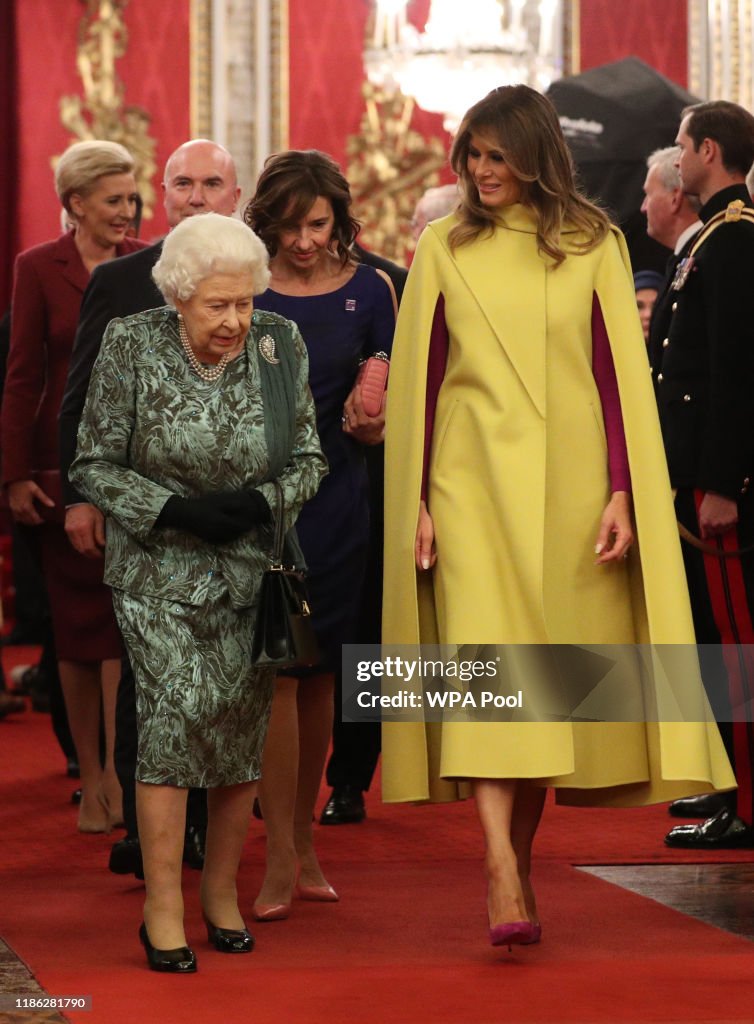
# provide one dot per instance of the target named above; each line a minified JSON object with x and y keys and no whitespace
{"x":82,"y":165}
{"x":209,"y":244}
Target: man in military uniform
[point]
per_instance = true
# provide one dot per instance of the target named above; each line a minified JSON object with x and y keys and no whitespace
{"x":704,"y":378}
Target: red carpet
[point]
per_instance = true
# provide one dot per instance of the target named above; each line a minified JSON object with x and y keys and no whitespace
{"x":406,"y":944}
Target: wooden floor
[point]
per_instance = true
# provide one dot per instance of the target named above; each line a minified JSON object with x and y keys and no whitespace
{"x":718,"y":894}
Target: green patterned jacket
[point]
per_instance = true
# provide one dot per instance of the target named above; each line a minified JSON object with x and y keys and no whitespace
{"x":151,"y":428}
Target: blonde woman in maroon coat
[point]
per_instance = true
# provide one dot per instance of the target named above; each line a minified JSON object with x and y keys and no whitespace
{"x":96,"y":185}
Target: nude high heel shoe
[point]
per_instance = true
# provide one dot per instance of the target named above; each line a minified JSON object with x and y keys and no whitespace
{"x":95,"y":825}
{"x":270,"y":911}
{"x":316,"y":893}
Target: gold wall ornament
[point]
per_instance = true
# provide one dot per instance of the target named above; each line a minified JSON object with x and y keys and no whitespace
{"x":390,"y":165}
{"x":103,"y":113}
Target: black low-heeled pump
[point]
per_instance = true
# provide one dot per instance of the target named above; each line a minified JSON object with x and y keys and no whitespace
{"x":229,"y":940}
{"x":171,"y":961}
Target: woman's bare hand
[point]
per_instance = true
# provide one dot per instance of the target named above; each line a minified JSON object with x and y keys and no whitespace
{"x":424,"y":547}
{"x":21,"y":497}
{"x":616,"y":529}
{"x":363,"y":428}
{"x":85,"y":527}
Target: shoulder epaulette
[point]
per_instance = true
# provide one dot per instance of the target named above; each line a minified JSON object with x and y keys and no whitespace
{"x":732,"y":214}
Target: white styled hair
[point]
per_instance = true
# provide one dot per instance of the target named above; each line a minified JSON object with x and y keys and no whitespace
{"x":205,"y":244}
{"x":665,"y":162}
{"x":438,"y":202}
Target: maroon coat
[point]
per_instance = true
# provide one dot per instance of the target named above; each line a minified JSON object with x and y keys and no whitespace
{"x":49,"y":283}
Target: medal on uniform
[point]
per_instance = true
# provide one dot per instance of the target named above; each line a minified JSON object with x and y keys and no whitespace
{"x":682,"y":272}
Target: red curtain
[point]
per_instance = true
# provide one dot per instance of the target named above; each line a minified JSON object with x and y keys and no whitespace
{"x":8,"y":151}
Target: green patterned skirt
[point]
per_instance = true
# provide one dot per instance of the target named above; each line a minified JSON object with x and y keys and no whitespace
{"x":202,"y":708}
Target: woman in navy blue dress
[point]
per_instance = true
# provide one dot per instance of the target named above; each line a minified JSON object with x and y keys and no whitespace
{"x":346,"y":312}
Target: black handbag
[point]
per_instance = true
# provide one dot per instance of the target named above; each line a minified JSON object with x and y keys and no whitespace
{"x":283,"y":632}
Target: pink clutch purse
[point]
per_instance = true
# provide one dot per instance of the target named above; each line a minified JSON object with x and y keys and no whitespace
{"x":372,"y":382}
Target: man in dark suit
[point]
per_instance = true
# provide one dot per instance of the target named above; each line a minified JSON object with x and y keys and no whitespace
{"x":704,"y":378}
{"x":673,"y":221}
{"x":200,"y":177}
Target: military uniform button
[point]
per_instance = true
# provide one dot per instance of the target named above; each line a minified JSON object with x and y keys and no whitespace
{"x":674,"y":307}
{"x":666,"y":343}
{"x":659,"y":378}
{"x":687,"y":398}
{"x":747,"y":481}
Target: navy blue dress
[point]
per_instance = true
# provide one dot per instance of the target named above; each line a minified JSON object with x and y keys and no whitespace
{"x":339,"y":329}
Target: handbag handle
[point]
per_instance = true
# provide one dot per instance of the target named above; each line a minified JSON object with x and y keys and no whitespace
{"x":277,"y":545}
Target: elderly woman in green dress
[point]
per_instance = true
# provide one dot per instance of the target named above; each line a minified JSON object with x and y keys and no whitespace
{"x":194,"y":411}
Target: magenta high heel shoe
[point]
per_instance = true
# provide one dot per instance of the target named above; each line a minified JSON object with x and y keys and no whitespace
{"x":536,"y":935}
{"x":515,"y":933}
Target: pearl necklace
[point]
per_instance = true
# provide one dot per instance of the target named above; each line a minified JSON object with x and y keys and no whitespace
{"x":208,"y":374}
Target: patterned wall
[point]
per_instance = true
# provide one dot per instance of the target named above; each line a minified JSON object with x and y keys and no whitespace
{"x":326,"y":41}
{"x":155,"y":71}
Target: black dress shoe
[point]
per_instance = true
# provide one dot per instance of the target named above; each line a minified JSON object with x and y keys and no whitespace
{"x":37,"y":683}
{"x":345,"y":807}
{"x":10,"y":705}
{"x":171,"y":961}
{"x":229,"y":940}
{"x":193,"y":847}
{"x":724,"y":831}
{"x":125,"y":857}
{"x":705,"y":806}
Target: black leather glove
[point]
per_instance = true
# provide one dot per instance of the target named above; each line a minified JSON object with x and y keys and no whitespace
{"x":250,"y":506}
{"x":218,"y":518}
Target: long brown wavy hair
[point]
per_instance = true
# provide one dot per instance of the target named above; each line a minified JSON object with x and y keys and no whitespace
{"x":524,"y":126}
{"x":288,"y":187}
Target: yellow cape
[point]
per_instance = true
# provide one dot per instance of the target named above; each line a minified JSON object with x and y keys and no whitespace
{"x":518,"y":482}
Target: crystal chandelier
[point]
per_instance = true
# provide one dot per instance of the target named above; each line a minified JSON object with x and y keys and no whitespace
{"x":467,"y":48}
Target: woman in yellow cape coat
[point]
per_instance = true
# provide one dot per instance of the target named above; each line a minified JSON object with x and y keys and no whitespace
{"x":517,"y":486}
